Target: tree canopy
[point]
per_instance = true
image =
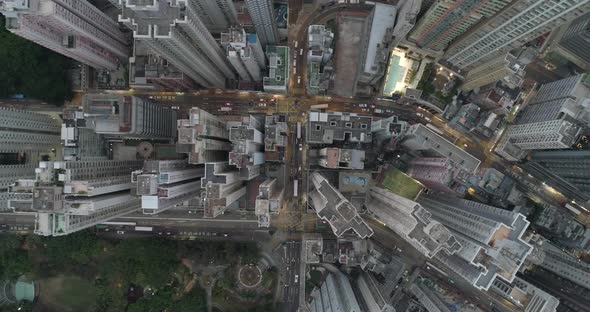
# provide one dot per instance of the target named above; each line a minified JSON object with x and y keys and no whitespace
{"x":31,"y":69}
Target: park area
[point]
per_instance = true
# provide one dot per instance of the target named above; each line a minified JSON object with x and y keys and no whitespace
{"x":85,"y":272}
{"x":401,"y":184}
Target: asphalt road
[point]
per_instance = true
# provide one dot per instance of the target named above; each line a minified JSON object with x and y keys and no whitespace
{"x":291,"y":285}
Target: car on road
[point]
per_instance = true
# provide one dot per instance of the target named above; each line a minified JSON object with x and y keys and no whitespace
{"x":120,"y":232}
{"x":362,"y":105}
{"x":300,"y":146}
{"x":175,"y":107}
{"x":296,"y":278}
{"x":300,"y":51}
{"x":298,"y":79}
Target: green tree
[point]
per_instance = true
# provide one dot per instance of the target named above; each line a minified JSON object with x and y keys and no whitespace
{"x":77,"y":249}
{"x":146,"y":261}
{"x":14,"y":261}
{"x":160,"y":301}
{"x":31,"y":69}
{"x":194,"y":301}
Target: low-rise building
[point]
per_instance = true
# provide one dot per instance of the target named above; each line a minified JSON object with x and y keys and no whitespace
{"x":341,"y":158}
{"x":419,"y":137}
{"x":279,"y":62}
{"x":325,"y":128}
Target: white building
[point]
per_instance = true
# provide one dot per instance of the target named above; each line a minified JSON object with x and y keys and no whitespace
{"x":519,"y":23}
{"x":552,"y":119}
{"x":491,"y":239}
{"x":263,"y":18}
{"x":74,"y":28}
{"x":319,"y":44}
{"x":128,"y":116}
{"x":180,"y":36}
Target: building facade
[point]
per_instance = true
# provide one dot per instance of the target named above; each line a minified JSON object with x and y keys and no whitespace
{"x":241,"y":54}
{"x":518,"y":24}
{"x":575,"y":42}
{"x":552,"y":119}
{"x":217,"y":15}
{"x":263,"y":18}
{"x":204,"y":137}
{"x":566,"y":171}
{"x":335,"y":294}
{"x":127,"y":116}
{"x":492,"y":244}
{"x":445,"y":20}
{"x":73,"y":28}
{"x":180,"y":36}
{"x":492,"y":71}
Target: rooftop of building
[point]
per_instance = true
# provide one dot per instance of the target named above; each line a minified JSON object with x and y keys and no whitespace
{"x":431,"y":140}
{"x":332,"y":207}
{"x":278,"y":66}
{"x":337,"y":126}
{"x":383,"y":21}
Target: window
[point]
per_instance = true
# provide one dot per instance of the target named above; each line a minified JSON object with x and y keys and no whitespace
{"x":363,"y":126}
{"x":332,"y":124}
{"x":348,"y":125}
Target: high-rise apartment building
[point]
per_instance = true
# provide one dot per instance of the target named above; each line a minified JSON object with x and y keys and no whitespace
{"x":335,"y":294}
{"x":521,"y":22}
{"x":174,"y":30}
{"x":204,"y":137}
{"x":275,"y":137}
{"x":24,"y":131}
{"x":448,"y":19}
{"x":24,"y":137}
{"x":552,"y":119}
{"x":436,"y":173}
{"x":410,"y":221}
{"x":217,"y":15}
{"x":331,"y":206}
{"x":263,"y":18}
{"x":319,"y":44}
{"x":244,"y":54}
{"x":68,"y":196}
{"x":165,"y":183}
{"x":575,"y":42}
{"x":74,"y":28}
{"x":247,"y":152}
{"x":149,"y":70}
{"x":128,"y":116}
{"x":492,"y":71}
{"x":565,"y":265}
{"x":222,"y":188}
{"x":566,"y":171}
{"x":491,"y":239}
